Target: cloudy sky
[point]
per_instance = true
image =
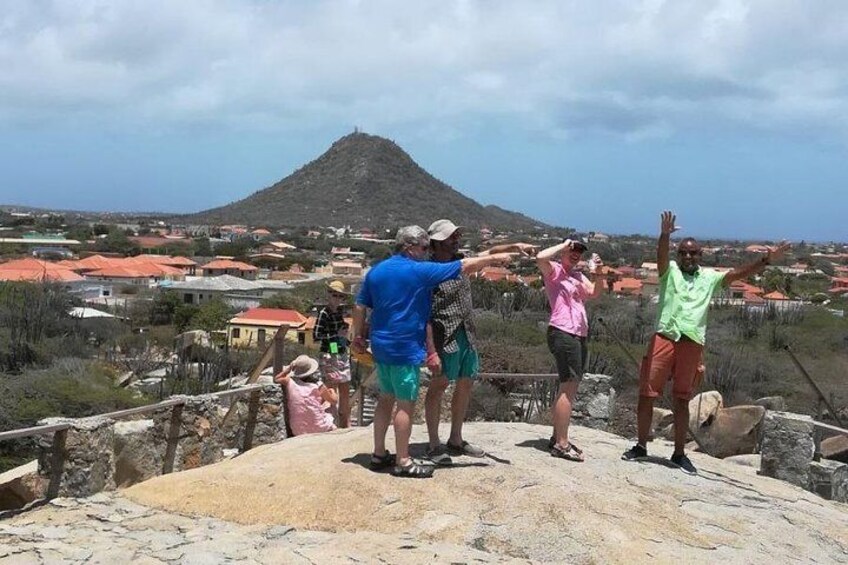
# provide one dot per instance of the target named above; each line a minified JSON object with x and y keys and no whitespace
{"x":596,"y":115}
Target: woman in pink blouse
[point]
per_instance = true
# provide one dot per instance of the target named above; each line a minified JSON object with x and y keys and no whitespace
{"x":567,"y":289}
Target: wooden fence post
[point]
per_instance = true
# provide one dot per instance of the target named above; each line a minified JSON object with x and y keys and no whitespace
{"x":279,"y":351}
{"x":173,"y":439}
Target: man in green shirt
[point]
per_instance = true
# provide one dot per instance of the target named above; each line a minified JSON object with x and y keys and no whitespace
{"x":676,"y":350}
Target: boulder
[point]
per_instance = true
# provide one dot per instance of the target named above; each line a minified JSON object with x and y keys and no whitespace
{"x":787,"y":447}
{"x":20,"y":486}
{"x":732,"y":431}
{"x":703,"y":408}
{"x":835,"y":448}
{"x":771,"y":403}
{"x":660,"y":420}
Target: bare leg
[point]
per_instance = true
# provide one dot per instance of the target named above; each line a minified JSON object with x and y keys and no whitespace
{"x":382,"y":417}
{"x":433,"y":408}
{"x":459,"y":407}
{"x":562,"y":411}
{"x":403,"y":429}
{"x":644,"y":415}
{"x":681,"y":423}
{"x":344,"y":405}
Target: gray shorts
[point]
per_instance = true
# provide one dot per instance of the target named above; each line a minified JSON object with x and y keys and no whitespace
{"x":569,"y":351}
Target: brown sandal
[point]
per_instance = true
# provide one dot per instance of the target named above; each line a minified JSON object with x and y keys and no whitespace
{"x":570,"y":453}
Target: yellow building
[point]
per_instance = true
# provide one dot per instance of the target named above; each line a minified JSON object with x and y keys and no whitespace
{"x":257,"y":326}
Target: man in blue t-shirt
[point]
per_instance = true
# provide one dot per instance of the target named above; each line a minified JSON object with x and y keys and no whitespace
{"x":398,"y":292}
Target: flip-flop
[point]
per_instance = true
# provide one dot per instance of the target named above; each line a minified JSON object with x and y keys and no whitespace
{"x":570,"y":453}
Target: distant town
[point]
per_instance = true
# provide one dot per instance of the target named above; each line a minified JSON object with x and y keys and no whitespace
{"x":109,"y":265}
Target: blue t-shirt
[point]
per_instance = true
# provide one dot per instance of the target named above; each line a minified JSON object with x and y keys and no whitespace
{"x":399,"y":293}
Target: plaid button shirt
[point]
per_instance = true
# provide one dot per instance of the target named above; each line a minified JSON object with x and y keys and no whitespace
{"x":451,"y":311}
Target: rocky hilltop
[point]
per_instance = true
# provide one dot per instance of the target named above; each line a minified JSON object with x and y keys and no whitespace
{"x":311,"y":499}
{"x":362,"y":181}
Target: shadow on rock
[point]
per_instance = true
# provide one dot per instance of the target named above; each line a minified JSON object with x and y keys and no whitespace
{"x":541,"y":444}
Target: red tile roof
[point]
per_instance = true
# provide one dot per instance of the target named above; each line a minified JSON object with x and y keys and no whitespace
{"x":775,"y":295}
{"x":36,"y":270}
{"x":228,"y":264}
{"x":269,"y":316}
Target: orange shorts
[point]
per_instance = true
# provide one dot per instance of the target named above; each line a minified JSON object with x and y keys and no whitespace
{"x":681,"y":360}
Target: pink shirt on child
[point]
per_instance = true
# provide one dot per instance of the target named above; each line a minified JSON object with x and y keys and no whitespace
{"x":566,"y":295}
{"x":306,"y":408}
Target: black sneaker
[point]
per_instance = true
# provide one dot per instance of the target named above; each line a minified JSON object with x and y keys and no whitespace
{"x":635,"y":453}
{"x":685,"y":465}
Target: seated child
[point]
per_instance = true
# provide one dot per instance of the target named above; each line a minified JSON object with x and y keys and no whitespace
{"x":308,"y":399}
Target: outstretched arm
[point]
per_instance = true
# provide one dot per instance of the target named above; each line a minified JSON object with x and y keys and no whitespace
{"x":667,"y":227}
{"x":523,"y":249}
{"x":757,"y":266}
{"x":474,"y":264}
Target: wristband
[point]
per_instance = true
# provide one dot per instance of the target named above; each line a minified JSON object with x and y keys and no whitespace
{"x":431,"y":358}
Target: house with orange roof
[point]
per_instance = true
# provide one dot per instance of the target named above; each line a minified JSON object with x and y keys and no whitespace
{"x":256,"y":326}
{"x":738,"y":290}
{"x":346,"y":268}
{"x":259,"y":234}
{"x":276,"y":247}
{"x":838,"y":285}
{"x":775,"y":295}
{"x":627,"y":286}
{"x":38,"y":270}
{"x":218,"y":267}
{"x":183,"y":263}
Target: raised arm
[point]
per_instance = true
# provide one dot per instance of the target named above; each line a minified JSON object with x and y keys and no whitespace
{"x":757,"y":266}
{"x":594,"y":284}
{"x":282,"y":377}
{"x":545,"y":256}
{"x":474,"y":264}
{"x":667,"y":227}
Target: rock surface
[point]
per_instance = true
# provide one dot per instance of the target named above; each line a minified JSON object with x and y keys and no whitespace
{"x":520,"y":504}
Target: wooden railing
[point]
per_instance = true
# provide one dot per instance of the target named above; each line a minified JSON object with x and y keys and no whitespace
{"x":273,"y":354}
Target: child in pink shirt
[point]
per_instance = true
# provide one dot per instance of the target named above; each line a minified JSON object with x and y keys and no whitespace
{"x":308,"y":400}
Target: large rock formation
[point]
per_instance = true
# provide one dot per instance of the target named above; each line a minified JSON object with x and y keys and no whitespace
{"x":521,"y":503}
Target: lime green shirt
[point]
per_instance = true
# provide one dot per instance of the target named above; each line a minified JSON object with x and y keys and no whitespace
{"x":684,"y":302}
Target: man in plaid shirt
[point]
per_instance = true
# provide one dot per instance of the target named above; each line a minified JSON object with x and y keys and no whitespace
{"x":451,"y":353}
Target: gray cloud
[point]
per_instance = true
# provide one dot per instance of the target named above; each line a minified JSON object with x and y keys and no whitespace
{"x":623,"y":67}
